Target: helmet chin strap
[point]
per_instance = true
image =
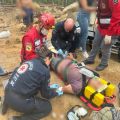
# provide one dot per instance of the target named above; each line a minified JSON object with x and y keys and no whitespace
{"x":40,"y":28}
{"x":44,"y":31}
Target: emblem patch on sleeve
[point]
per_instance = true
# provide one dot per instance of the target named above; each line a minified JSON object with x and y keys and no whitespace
{"x":115,"y":1}
{"x":23,"y":68}
{"x":37,"y":42}
{"x":28,"y":47}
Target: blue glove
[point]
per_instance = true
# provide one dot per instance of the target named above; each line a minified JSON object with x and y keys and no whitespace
{"x":54,"y":86}
{"x":59,"y":91}
{"x":57,"y":88}
{"x":66,"y":54}
{"x":60,"y":52}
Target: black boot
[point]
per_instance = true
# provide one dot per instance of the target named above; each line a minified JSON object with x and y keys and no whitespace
{"x":101,"y":67}
{"x":86,"y":62}
{"x":4,"y":106}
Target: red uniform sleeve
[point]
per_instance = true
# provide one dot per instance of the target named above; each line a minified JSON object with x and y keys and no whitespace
{"x":28,"y":50}
{"x":114,"y":28}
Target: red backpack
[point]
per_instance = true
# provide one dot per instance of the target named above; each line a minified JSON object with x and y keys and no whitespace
{"x":104,"y":13}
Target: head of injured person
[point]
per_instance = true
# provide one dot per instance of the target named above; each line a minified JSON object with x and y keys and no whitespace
{"x":69,"y":24}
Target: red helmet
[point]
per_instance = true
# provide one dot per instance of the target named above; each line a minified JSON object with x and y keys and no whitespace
{"x":47,"y":20}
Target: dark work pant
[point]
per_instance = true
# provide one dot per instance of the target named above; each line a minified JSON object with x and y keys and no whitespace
{"x":32,"y":108}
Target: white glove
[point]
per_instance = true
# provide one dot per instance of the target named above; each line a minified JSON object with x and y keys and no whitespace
{"x":107,"y":40}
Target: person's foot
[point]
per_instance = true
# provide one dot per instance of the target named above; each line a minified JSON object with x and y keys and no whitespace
{"x":101,"y":67}
{"x":4,"y":106}
{"x":85,"y":55}
{"x":86,"y":62}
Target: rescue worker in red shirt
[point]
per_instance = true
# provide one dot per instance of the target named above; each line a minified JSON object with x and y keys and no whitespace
{"x":36,"y":37}
{"x":108,"y":24}
{"x":114,"y":28}
{"x":109,"y":18}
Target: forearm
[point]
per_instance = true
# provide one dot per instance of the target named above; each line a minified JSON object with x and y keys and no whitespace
{"x":90,"y":9}
{"x":54,"y":43}
{"x":46,"y":91}
{"x":68,"y":89}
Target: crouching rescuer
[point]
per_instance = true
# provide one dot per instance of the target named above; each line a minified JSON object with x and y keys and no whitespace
{"x":65,"y":36}
{"x":81,"y":81}
{"x":36,"y":37}
{"x":26,"y":81}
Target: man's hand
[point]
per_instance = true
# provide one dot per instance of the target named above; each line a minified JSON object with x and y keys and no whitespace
{"x":57,"y":89}
{"x":68,"y":89}
{"x":60,"y":52}
{"x":107,"y":40}
{"x":64,"y":55}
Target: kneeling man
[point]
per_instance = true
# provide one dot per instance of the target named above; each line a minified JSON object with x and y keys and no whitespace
{"x":26,"y":81}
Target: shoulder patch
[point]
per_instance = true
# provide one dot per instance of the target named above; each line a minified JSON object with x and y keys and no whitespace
{"x":23,"y":68}
{"x":28,"y":47}
{"x":37,"y":42}
{"x":115,"y":1}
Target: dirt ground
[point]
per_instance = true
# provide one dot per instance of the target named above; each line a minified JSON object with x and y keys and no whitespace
{"x":10,"y":58}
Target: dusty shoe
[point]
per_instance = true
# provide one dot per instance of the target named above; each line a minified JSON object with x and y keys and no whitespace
{"x":101,"y":67}
{"x":86,"y":62}
{"x":1,"y":71}
{"x":3,"y":106}
{"x":85,"y":55}
{"x":14,"y":118}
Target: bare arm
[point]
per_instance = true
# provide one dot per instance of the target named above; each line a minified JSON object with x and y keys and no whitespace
{"x":68,"y":89}
{"x":85,"y":6}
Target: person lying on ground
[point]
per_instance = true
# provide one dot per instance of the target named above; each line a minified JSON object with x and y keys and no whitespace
{"x":71,"y":74}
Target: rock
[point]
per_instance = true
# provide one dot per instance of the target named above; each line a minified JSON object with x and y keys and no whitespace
{"x":62,"y":117}
{"x":54,"y":115}
{"x":5,"y":34}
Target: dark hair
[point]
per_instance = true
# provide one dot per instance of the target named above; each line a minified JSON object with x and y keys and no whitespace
{"x":44,"y":52}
